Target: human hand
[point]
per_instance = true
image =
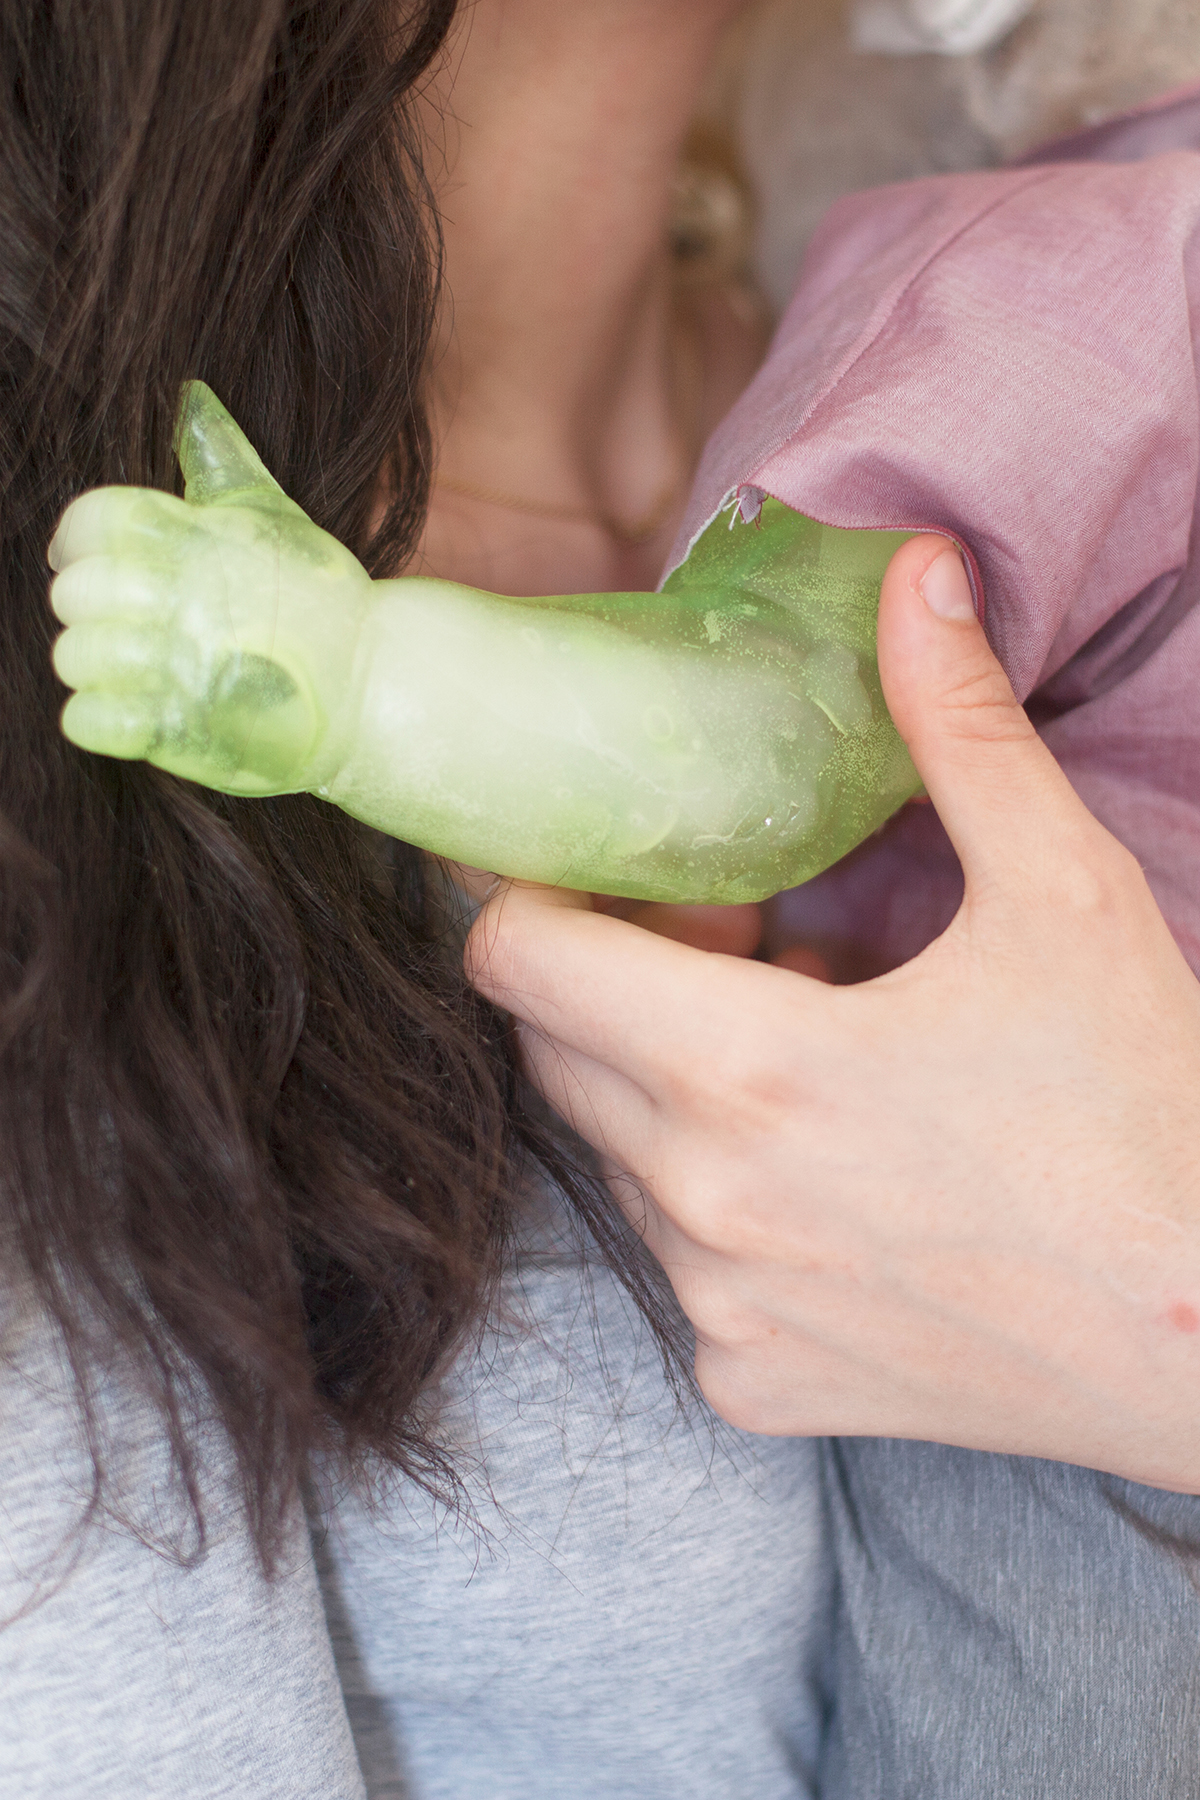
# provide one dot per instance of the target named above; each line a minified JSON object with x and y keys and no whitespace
{"x":960,"y":1202}
{"x":728,"y":930}
{"x":215,"y":635}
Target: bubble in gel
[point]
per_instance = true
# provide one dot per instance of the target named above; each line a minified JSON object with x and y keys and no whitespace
{"x":641,"y":830}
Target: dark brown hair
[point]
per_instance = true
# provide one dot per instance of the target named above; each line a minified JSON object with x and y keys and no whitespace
{"x":257,"y":1137}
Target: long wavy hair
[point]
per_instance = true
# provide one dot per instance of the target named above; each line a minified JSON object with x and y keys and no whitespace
{"x":257,"y":1138}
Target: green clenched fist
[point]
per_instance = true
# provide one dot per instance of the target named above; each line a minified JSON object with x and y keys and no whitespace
{"x":214,"y":635}
{"x":717,"y":741}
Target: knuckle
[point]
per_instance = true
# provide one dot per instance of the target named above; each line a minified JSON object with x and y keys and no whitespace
{"x":1096,"y":885}
{"x":978,"y":703}
{"x":735,"y":1087}
{"x":64,"y":593}
{"x":751,"y":1098}
{"x":83,"y":587}
{"x":62,"y":656}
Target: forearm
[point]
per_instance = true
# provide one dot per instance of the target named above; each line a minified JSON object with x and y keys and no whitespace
{"x":529,"y":737}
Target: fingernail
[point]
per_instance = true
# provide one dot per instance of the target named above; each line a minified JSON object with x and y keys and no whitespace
{"x":946,"y":589}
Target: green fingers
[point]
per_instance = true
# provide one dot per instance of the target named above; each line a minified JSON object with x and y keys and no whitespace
{"x":122,"y":725}
{"x":214,"y":635}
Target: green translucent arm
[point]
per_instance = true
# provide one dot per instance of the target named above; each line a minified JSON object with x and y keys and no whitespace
{"x":717,"y":741}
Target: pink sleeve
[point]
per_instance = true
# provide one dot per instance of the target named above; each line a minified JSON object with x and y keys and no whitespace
{"x":1011,"y":357}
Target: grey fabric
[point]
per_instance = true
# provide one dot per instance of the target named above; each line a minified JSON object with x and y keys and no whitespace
{"x":1009,"y":1629}
{"x":634,"y":1604}
{"x":124,"y":1676}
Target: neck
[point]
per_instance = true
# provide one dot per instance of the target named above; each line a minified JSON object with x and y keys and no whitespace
{"x":557,"y":380}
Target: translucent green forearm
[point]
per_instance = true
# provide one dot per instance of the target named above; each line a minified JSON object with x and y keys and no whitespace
{"x":718,"y":741}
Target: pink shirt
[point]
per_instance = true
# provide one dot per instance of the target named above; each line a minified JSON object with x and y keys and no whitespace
{"x":1011,"y":357}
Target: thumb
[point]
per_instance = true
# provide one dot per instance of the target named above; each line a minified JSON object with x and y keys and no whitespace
{"x":1001,"y":796}
{"x":217,"y":458}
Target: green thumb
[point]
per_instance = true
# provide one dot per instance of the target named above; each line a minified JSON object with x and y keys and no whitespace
{"x":217,"y":458}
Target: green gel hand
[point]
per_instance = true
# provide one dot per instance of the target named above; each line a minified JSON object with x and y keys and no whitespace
{"x":717,"y":741}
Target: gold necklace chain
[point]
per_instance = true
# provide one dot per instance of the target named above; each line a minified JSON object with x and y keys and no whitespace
{"x":632,"y":532}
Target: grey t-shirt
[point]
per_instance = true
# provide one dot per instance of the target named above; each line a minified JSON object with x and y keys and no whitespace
{"x":124,"y":1675}
{"x":1009,"y":1629}
{"x":634,"y":1604}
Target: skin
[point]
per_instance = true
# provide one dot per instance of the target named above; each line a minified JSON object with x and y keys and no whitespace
{"x":715,"y":741}
{"x":571,"y":369}
{"x":960,"y":1202}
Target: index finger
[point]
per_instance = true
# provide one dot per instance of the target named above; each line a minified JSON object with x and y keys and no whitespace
{"x":91,"y":589}
{"x":620,"y":995}
{"x":106,"y":520}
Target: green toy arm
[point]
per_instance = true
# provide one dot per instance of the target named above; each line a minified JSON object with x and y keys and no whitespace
{"x":717,"y":741}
